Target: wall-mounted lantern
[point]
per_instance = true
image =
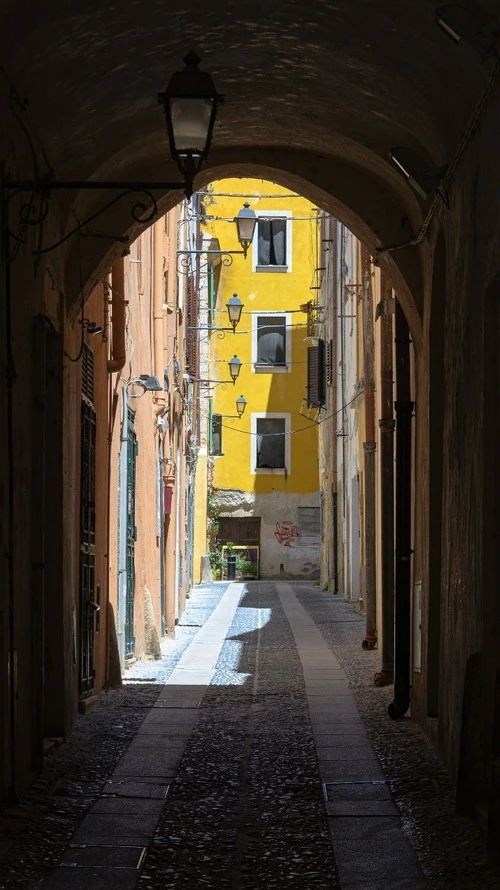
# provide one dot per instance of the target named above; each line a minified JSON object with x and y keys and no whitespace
{"x":190,"y":103}
{"x":246,"y":220}
{"x":234,"y":310}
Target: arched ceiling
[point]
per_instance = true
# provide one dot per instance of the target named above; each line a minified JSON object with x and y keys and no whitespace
{"x":334,"y":83}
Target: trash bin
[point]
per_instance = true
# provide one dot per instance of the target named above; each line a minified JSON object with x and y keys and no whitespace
{"x":231,"y":566}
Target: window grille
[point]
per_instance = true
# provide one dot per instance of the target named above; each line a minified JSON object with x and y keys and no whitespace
{"x":329,"y":363}
{"x":88,"y":373}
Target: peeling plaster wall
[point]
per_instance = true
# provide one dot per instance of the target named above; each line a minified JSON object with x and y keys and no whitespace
{"x":285,"y":551}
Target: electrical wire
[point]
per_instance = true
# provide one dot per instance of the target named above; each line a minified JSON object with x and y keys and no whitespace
{"x":210,"y":194}
{"x":289,"y":432}
{"x":450,"y":170}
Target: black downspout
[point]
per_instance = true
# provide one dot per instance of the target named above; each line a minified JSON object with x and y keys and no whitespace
{"x":335,"y":543}
{"x":163,"y":622}
{"x":10,"y":375}
{"x":387,"y":425}
{"x":404,"y":412}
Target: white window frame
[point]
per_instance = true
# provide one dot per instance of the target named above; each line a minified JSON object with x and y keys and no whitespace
{"x":270,"y":471}
{"x":273,"y":214}
{"x":272,"y":369}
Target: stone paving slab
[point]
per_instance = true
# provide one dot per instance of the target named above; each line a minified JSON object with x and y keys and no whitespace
{"x":337,"y":790}
{"x":92,"y":879}
{"x":176,"y":703}
{"x":362,"y":808}
{"x":170,"y":716}
{"x":387,"y":860}
{"x":161,"y":730}
{"x":135,"y":788}
{"x":337,"y":753}
{"x":154,"y":764}
{"x":349,"y":770}
{"x":103,"y":856}
{"x":98,"y":825}
{"x":138,"y":806}
{"x":143,"y":743}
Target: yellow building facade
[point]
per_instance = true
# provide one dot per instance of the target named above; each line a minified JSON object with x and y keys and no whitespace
{"x":263,"y":464}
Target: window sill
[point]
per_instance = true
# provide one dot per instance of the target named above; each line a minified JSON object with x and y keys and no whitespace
{"x":271,"y":471}
{"x":271,"y":268}
{"x":270,"y":369}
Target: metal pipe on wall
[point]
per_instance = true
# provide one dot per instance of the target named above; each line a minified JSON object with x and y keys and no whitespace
{"x":118,"y":306}
{"x":369,"y":448}
{"x":387,"y":425}
{"x":114,"y":365}
{"x":343,"y":410}
{"x":402,"y":630}
{"x":159,"y":298}
{"x":9,"y":475}
{"x":122,"y":530}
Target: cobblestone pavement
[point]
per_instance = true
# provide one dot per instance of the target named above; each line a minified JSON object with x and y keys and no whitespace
{"x":246,"y":807}
{"x":35,"y":832}
{"x":449,"y":846}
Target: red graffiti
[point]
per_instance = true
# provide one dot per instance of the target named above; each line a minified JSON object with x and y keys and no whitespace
{"x":285,"y":532}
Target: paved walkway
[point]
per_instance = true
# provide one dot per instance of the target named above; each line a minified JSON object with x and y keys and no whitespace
{"x":252,"y":770}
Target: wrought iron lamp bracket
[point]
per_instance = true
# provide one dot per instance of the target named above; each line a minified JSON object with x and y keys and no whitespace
{"x":184,"y":266}
{"x":34,"y":205}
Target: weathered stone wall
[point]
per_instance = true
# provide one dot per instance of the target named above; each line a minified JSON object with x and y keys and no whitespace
{"x":285,"y":551}
{"x":473,"y":261}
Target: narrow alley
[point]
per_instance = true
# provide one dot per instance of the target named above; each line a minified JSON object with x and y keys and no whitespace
{"x":255,"y":754}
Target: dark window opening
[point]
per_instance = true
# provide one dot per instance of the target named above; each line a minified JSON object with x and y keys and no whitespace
{"x":216,"y":434}
{"x":270,"y":443}
{"x":271,"y":242}
{"x":271,"y":340}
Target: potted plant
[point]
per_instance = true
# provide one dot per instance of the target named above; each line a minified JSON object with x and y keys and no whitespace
{"x":216,"y":561}
{"x":245,"y":568}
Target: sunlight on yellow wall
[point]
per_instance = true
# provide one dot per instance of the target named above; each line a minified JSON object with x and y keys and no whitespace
{"x":281,"y":392}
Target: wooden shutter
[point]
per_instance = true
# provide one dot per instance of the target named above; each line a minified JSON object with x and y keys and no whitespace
{"x":316,"y":375}
{"x":192,"y":340}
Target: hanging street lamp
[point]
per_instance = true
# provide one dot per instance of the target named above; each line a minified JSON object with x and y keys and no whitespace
{"x":234,"y":368}
{"x":246,"y":220}
{"x":190,"y":102}
{"x":234,"y":309}
{"x":241,"y":404}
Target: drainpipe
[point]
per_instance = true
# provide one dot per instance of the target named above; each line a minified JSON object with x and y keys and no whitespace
{"x":343,"y":400}
{"x":11,"y":598}
{"x":333,"y":231}
{"x":386,"y":424}
{"x":404,"y":412}
{"x":177,"y":581}
{"x":122,"y":531}
{"x":159,"y":298}
{"x":115,"y":364}
{"x":118,"y":305}
{"x":369,"y":447}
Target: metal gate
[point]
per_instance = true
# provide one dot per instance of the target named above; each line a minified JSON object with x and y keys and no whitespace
{"x":88,"y":607}
{"x":132,"y":450}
